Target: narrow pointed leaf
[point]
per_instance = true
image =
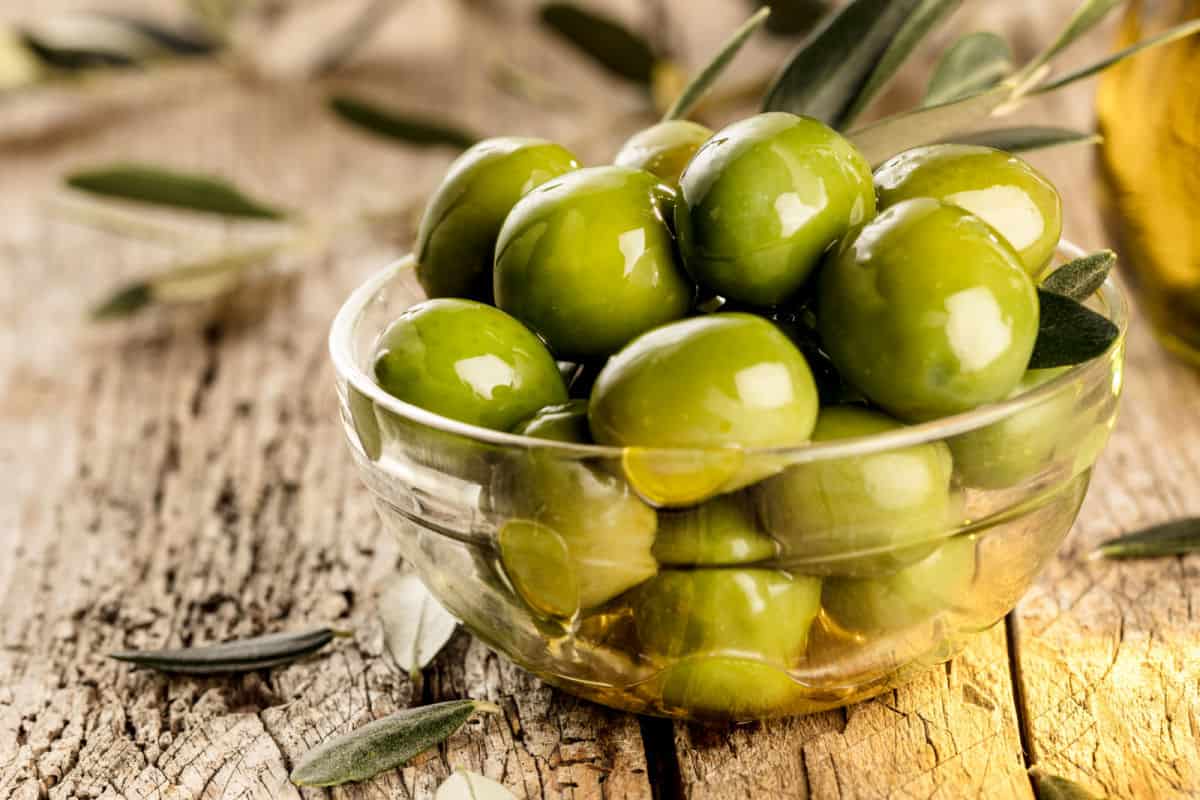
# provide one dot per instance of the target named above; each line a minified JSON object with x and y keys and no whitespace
{"x":1079,"y":279}
{"x":1055,"y":787}
{"x":178,"y":41}
{"x":401,"y":126}
{"x":415,"y":626}
{"x":883,"y":139}
{"x":384,"y":744}
{"x":793,"y":17}
{"x":1026,"y":138}
{"x":243,"y":655}
{"x":1068,"y":333}
{"x":124,"y":302}
{"x":1169,"y":35}
{"x":924,"y":19}
{"x":466,"y":785}
{"x":59,"y":56}
{"x":973,"y":64}
{"x":165,"y":187}
{"x":831,"y":66}
{"x":1179,"y":537}
{"x":616,"y":48}
{"x":1088,"y":15}
{"x":704,"y":79}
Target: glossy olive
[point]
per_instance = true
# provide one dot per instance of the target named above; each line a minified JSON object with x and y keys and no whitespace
{"x":562,"y":423}
{"x":915,"y":594}
{"x":927,"y":311}
{"x":467,"y":361}
{"x":588,"y":262}
{"x":763,"y":199}
{"x":663,"y":149}
{"x":722,"y":531}
{"x":998,"y":187}
{"x":891,"y":506}
{"x":456,"y":241}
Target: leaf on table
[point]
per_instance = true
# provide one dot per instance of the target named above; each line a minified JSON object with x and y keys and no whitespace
{"x":384,"y":744}
{"x":399,"y":125}
{"x":467,"y":785}
{"x":415,"y":626}
{"x":1048,"y":786}
{"x":243,"y":655}
{"x":1167,"y":36}
{"x":1025,"y":138}
{"x":179,"y":41}
{"x":973,"y":64}
{"x":707,"y":76}
{"x":1068,"y":332}
{"x":924,"y":19}
{"x":609,"y":43}
{"x":1175,"y":538}
{"x":1079,"y":279}
{"x":883,"y":139}
{"x":82,"y":41}
{"x":162,"y":186}
{"x":831,"y":66}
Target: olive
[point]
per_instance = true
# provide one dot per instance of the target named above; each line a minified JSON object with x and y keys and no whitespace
{"x":906,"y":598}
{"x":663,"y":149}
{"x":888,"y":506}
{"x":562,"y":423}
{"x":763,"y":199}
{"x":998,"y":187}
{"x":588,"y":262}
{"x":722,"y":531}
{"x":457,"y":238}
{"x":727,"y":635}
{"x":927,"y":311}
{"x":716,"y":383}
{"x":467,"y":361}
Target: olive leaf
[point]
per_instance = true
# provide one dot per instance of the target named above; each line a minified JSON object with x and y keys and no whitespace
{"x":924,"y":19}
{"x":1068,"y":332}
{"x":830,"y":67}
{"x":1087,"y":15}
{"x":699,"y":85}
{"x":82,"y":41}
{"x":467,"y":785}
{"x":179,"y":41}
{"x":975,"y":63}
{"x":243,"y":655}
{"x":1079,"y":279}
{"x":403,"y":126}
{"x":384,"y":744}
{"x":616,"y":48}
{"x":415,"y":626}
{"x":1025,"y":138}
{"x":791,"y":17}
{"x":1048,"y":786}
{"x":1175,"y":538}
{"x":1167,"y":36}
{"x":881,"y":140}
{"x":166,"y":187}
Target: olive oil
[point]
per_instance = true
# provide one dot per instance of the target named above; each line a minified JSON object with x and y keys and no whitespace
{"x":1149,"y":110}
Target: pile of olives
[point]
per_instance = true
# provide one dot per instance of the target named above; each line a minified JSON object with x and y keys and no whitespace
{"x":707,"y":300}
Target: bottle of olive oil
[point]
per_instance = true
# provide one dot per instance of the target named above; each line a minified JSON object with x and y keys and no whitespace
{"x":1149,"y":110}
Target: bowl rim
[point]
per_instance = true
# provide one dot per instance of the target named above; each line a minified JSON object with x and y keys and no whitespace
{"x":341,"y":338}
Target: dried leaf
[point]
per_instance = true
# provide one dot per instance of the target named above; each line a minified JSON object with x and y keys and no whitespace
{"x":403,"y":126}
{"x":1167,"y":36}
{"x":1056,"y":787}
{"x":384,"y":744}
{"x":706,"y":77}
{"x":161,"y":186}
{"x":1079,"y":279}
{"x":1068,"y":333}
{"x":1026,"y":138}
{"x":883,"y":139}
{"x":1175,"y":538}
{"x":244,"y":655}
{"x":415,"y":626}
{"x":616,"y":48}
{"x":973,"y":64}
{"x":466,"y":785}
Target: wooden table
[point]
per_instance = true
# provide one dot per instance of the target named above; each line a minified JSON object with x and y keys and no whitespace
{"x":180,"y":478}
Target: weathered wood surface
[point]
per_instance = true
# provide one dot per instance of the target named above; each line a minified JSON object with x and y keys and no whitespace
{"x":180,"y":479}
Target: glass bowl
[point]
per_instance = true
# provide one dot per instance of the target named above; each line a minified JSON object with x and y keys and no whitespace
{"x":885,"y":553}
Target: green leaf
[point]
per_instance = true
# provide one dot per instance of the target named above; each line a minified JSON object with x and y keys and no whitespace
{"x":616,"y":48}
{"x":384,"y":744}
{"x":181,"y":42}
{"x":244,"y":655}
{"x":72,"y":57}
{"x":415,"y":626}
{"x":124,"y":302}
{"x":1079,"y":279}
{"x":402,"y":126}
{"x":1087,"y":15}
{"x":975,"y":63}
{"x":1068,"y":332}
{"x":1169,"y":35}
{"x":705,"y":78}
{"x":832,"y":65}
{"x":1055,"y":787}
{"x":883,"y":139}
{"x":466,"y":785}
{"x":793,"y":17}
{"x":160,"y":186}
{"x":1025,"y":138}
{"x":87,"y":40}
{"x":925,"y":17}
{"x":1176,"y":538}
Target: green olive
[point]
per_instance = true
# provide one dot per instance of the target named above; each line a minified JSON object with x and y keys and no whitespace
{"x":906,"y":598}
{"x":890,"y":505}
{"x":927,"y":311}
{"x":763,"y":199}
{"x":456,"y":241}
{"x":663,"y":149}
{"x":588,"y":262}
{"x":999,"y":188}
{"x":722,"y":531}
{"x":562,"y":423}
{"x":467,"y":361}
